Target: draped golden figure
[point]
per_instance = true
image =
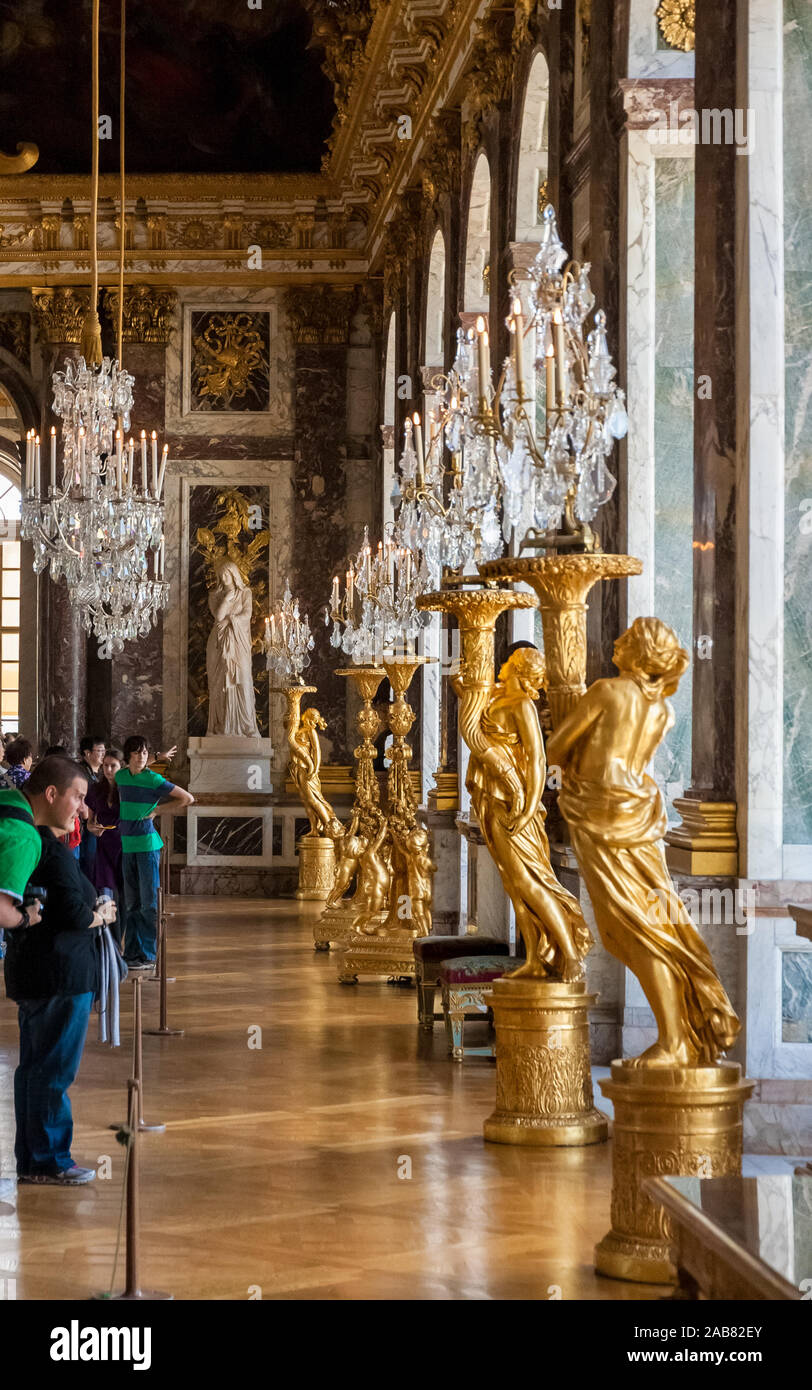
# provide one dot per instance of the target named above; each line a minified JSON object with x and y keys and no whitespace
{"x":506,"y":778}
{"x":617,"y":820}
{"x":304,"y":768}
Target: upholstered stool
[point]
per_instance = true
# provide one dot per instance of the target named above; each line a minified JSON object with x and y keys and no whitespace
{"x":429,"y":954}
{"x":465,"y":983}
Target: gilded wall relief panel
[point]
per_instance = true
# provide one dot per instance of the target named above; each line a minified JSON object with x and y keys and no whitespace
{"x":230,"y":361}
{"x":226,"y":522}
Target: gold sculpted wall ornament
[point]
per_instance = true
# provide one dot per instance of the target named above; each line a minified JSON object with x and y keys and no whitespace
{"x":617,"y":820}
{"x":19,"y":163}
{"x":237,"y":517}
{"x":677,"y":20}
{"x":229,"y":361}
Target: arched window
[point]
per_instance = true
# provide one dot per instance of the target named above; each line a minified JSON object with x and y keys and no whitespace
{"x":435,"y":303}
{"x":478,"y":242}
{"x":533,"y":151}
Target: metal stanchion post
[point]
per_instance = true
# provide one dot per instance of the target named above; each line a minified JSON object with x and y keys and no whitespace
{"x":138,"y":1059}
{"x":163,"y":1030}
{"x":133,"y":1291}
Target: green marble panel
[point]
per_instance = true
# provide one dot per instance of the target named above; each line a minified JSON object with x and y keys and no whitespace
{"x":673,"y":442}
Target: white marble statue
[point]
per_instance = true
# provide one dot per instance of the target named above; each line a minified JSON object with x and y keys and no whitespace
{"x":228,"y":656}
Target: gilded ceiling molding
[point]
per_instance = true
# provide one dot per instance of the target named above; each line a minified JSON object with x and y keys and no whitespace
{"x":60,"y":313}
{"x":148,"y":313}
{"x":320,"y":313}
{"x":441,"y":166}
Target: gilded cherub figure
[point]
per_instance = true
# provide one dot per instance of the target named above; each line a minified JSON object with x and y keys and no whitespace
{"x":506,"y":778}
{"x":350,"y":846}
{"x":617,"y":821}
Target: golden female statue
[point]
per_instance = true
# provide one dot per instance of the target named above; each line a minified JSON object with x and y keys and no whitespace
{"x":617,"y":820}
{"x":305,"y":767}
{"x":506,"y":776}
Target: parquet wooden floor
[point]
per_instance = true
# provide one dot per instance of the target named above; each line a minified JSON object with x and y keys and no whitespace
{"x":277,"y":1175}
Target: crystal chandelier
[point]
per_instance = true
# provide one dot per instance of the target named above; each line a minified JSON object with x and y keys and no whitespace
{"x":377,"y":610}
{"x":101,"y":514}
{"x":288,"y":640}
{"x":548,"y":485}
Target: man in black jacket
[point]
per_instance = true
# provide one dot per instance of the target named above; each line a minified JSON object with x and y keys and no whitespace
{"x":52,"y":972}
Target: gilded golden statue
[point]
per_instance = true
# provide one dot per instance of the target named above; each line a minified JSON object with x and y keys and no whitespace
{"x":304,"y":769}
{"x":506,"y":778}
{"x":617,"y":819}
{"x":349,"y":847}
{"x":374,"y":878}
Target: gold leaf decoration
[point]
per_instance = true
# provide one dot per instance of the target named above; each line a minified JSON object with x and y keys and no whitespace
{"x":677,"y":20}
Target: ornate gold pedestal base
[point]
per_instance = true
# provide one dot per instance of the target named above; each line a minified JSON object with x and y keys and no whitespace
{"x":317,"y":868}
{"x":336,"y":924}
{"x":543,"y":1078}
{"x":377,"y":955}
{"x":669,"y":1121}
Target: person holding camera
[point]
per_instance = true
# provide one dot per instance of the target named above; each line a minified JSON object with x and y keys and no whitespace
{"x":19,"y":856}
{"x":52,"y":971}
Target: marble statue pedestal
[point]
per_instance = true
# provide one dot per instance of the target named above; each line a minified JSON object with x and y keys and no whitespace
{"x":230,"y":763}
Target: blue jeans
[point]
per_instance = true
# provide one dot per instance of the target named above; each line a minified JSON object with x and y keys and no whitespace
{"x":141,"y":879}
{"x":52,"y":1036}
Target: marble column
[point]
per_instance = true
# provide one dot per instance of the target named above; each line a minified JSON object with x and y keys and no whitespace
{"x":320,"y":321}
{"x":706,"y":841}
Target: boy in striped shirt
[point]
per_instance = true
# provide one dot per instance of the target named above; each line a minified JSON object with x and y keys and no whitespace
{"x":141,"y":792}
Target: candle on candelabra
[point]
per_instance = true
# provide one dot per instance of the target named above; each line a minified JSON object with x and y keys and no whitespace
{"x":335,"y":596}
{"x":350,"y":592}
{"x":80,"y":471}
{"x":368,"y":566}
{"x":155,"y":463}
{"x":161,"y":557}
{"x":131,"y":463}
{"x":518,"y":343}
{"x":388,"y":562}
{"x":36,"y":465}
{"x":53,"y":458}
{"x":144,"y":460}
{"x":159,"y":486}
{"x":418,"y":444}
{"x":29,"y":470}
{"x":483,"y":362}
{"x":119,"y":463}
{"x":560,"y":357}
{"x":408,"y":569}
{"x":549,"y":363}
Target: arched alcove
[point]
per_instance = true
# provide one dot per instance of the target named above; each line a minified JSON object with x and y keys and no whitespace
{"x":478,"y":240}
{"x":533,"y":150}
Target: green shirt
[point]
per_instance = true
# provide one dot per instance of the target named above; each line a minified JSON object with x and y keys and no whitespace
{"x":140,"y":795}
{"x":20,"y":843}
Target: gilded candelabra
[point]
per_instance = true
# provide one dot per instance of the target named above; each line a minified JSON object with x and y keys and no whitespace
{"x":382,"y":941}
{"x":544,"y":1087}
{"x":337,"y":920}
{"x":678,"y":1106}
{"x":317,"y":858}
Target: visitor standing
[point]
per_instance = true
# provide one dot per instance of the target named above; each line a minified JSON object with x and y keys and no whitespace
{"x":103,"y":803}
{"x":52,"y":973}
{"x":141,"y":792}
{"x":19,"y":757}
{"x":91,"y":755}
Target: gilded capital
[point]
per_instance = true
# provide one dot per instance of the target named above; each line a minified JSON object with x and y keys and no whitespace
{"x":148,"y":313}
{"x":320,"y":313}
{"x":60,"y":313}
